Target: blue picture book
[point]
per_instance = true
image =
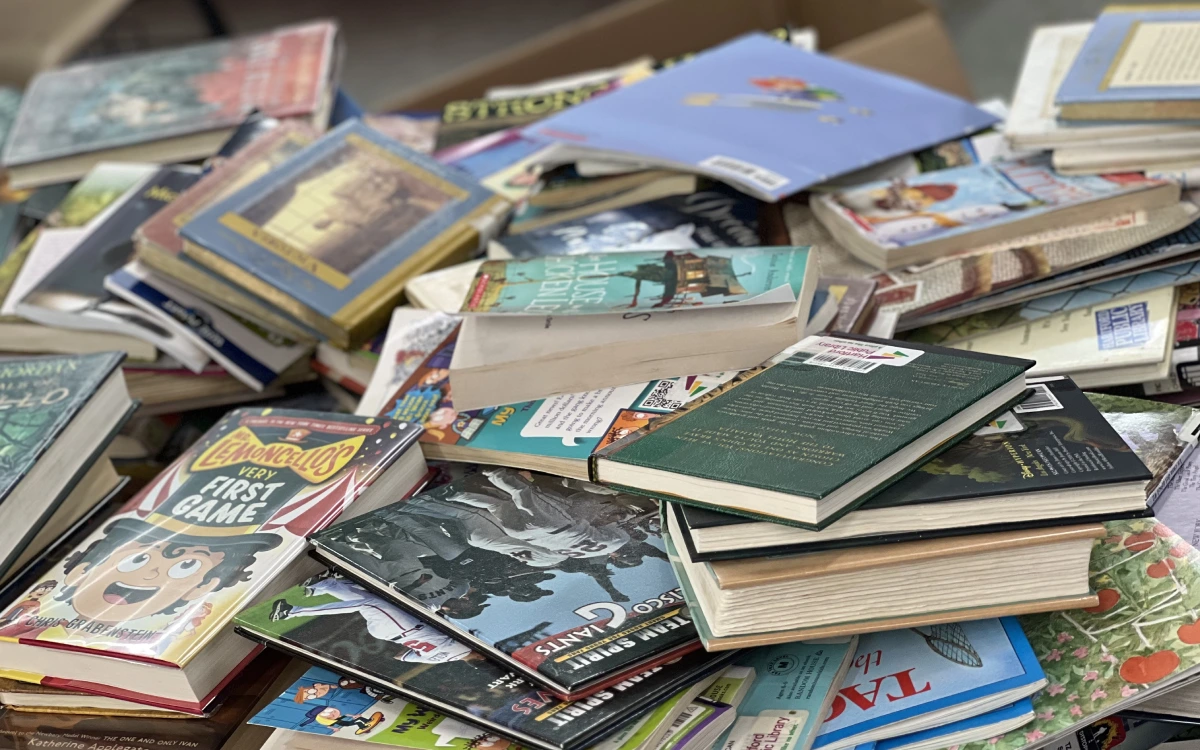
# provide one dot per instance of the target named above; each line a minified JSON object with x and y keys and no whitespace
{"x":332,"y":234}
{"x":1137,"y":64}
{"x":793,"y":686}
{"x":905,"y":681}
{"x":984,"y":726}
{"x":768,"y":118}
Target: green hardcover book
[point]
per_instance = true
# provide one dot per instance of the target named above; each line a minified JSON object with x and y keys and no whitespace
{"x":816,"y":430}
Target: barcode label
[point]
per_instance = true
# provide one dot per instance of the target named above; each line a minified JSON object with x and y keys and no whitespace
{"x":1040,"y":398}
{"x":841,"y":362}
{"x":760,"y":177}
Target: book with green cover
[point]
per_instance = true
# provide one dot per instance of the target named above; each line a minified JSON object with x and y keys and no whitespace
{"x":816,"y":430}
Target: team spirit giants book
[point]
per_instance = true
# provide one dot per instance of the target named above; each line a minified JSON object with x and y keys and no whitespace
{"x":336,"y":623}
{"x":171,"y":105}
{"x":816,"y":430}
{"x":330,"y":236}
{"x":559,"y":579}
{"x":139,"y":611}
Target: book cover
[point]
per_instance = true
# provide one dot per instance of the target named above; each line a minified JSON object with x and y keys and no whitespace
{"x":995,"y":723}
{"x":412,"y":336}
{"x":218,"y":523}
{"x":794,"y":687}
{"x":830,"y":395}
{"x":130,"y":99}
{"x":984,"y":664}
{"x":328,"y":704}
{"x":338,"y":624}
{"x":769,"y":118}
{"x":476,"y":554}
{"x":713,"y":217}
{"x":1128,"y":59}
{"x":957,"y":201}
{"x":20,"y":729}
{"x":254,"y":355}
{"x":330,"y":235}
{"x":10,"y":102}
{"x":637,"y":281}
{"x":1140,"y":638}
{"x":853,"y":296}
{"x":468,"y":119}
{"x":41,"y":396}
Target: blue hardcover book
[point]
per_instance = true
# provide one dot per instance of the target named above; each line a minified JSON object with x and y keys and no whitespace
{"x":715,"y":217}
{"x":981,"y":727}
{"x":769,"y":118}
{"x":331,"y":235}
{"x":1137,"y":64}
{"x":904,"y":681}
{"x":793,"y":686}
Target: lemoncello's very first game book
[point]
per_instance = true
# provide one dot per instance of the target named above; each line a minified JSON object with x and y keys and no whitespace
{"x":140,"y":609}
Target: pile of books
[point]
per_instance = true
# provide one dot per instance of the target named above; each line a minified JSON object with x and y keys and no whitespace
{"x":750,"y":400}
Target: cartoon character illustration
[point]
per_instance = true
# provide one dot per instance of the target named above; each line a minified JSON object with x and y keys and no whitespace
{"x":780,"y":93}
{"x":384,"y":621}
{"x":313,"y":692}
{"x":29,"y":606}
{"x":796,"y":88}
{"x":333,"y":719}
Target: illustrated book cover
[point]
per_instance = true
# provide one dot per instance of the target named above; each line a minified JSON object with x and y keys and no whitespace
{"x":161,"y":580}
{"x":815,"y":405}
{"x":336,"y":623}
{"x":473,"y":557}
{"x":330,"y":235}
{"x":931,"y":676}
{"x":784,"y":118}
{"x":197,"y":93}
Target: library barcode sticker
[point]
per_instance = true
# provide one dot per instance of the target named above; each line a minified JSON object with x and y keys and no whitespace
{"x":849,"y":355}
{"x":760,"y":177}
{"x":1040,"y":398}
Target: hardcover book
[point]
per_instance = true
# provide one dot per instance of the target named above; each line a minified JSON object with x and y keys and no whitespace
{"x":335,"y":623}
{"x":714,"y":217}
{"x":142,"y":604}
{"x":769,"y":118}
{"x":593,"y":560}
{"x":1125,"y":69}
{"x":801,"y":440}
{"x":330,"y":236}
{"x":931,"y":676}
{"x":1051,"y":460}
{"x":894,"y":223}
{"x":178,"y":104}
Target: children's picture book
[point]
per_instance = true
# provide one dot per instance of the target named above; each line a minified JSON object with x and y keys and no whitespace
{"x":128,"y":100}
{"x":162,"y":578}
{"x":412,"y":336}
{"x":331,"y":235}
{"x":476,"y":555}
{"x":784,"y":118}
{"x":336,"y":623}
{"x":1126,"y":69}
{"x":331,"y":705}
{"x":911,"y":679}
{"x":714,"y":216}
{"x":794,"y":687}
{"x":637,"y":281}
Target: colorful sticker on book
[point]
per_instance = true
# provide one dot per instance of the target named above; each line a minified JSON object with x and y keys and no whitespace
{"x":1123,"y":327}
{"x":1003,"y":424}
{"x":846,"y":354}
{"x":625,"y":423}
{"x":673,"y":393}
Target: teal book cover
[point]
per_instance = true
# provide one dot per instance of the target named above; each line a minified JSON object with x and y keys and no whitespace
{"x":637,"y":281}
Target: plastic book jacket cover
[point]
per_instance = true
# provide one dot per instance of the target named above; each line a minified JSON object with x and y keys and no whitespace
{"x":216,"y":525}
{"x":935,"y":205}
{"x":713,"y":217}
{"x":566,"y":579}
{"x":636,"y":280}
{"x":767,"y":117}
{"x":1132,"y":55}
{"x":335,"y":230}
{"x":922,"y":670}
{"x":794,"y":687}
{"x":131,"y":99}
{"x":331,"y":705}
{"x":336,"y":623}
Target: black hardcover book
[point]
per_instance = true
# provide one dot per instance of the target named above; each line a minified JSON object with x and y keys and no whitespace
{"x":1052,"y":460}
{"x":564,"y":581}
{"x":336,"y":623}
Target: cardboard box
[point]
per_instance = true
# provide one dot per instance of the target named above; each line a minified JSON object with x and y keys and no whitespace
{"x":42,"y":34}
{"x":906,"y":37}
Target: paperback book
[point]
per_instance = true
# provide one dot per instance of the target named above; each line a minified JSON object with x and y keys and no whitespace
{"x":338,"y":624}
{"x":593,"y":560}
